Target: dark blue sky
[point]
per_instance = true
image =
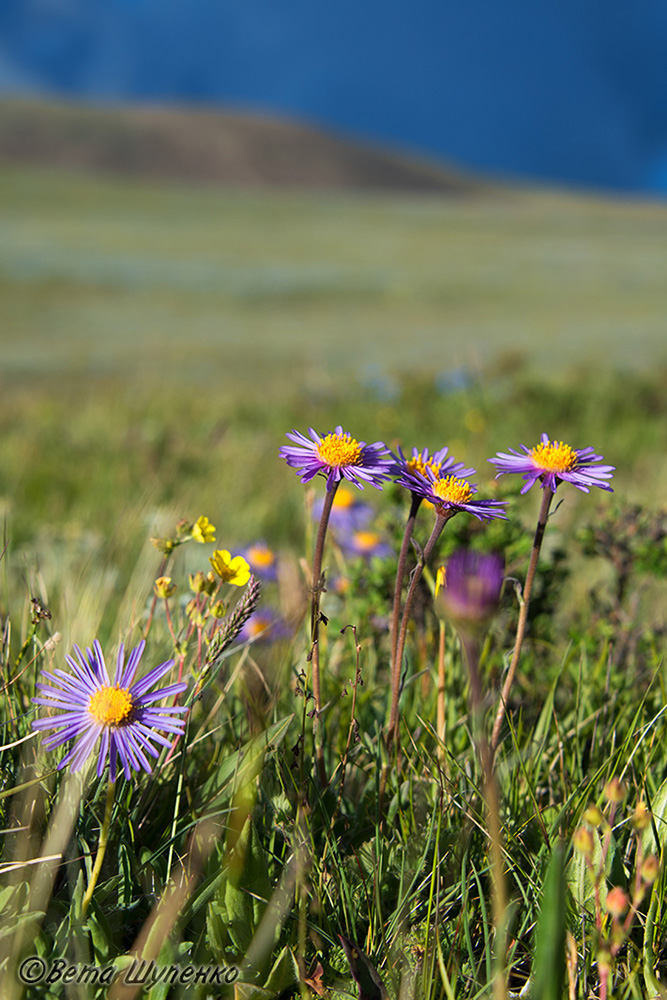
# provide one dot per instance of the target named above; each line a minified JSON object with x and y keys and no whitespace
{"x":572,"y":91}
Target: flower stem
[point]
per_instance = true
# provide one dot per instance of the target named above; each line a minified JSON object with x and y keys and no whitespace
{"x":160,"y":572}
{"x":415,"y":577}
{"x":441,"y":725}
{"x":547,"y":496}
{"x":101,"y":849}
{"x":398,"y":589}
{"x":315,"y":617}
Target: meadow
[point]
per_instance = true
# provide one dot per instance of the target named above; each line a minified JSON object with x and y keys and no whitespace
{"x":158,"y":344}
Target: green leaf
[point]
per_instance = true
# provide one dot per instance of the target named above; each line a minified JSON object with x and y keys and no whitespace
{"x":549,"y":963}
{"x":284,"y":974}
{"x":654,"y":837}
{"x":581,"y":877}
{"x":246,"y":893}
{"x":242,"y":766}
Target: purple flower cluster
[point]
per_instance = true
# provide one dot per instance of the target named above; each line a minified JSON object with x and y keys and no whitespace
{"x":437,"y":478}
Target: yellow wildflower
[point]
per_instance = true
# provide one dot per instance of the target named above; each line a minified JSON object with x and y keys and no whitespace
{"x":202,"y":530}
{"x":234,"y":570}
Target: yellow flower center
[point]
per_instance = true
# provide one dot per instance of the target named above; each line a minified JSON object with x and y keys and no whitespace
{"x":453,"y":490}
{"x":418,"y":465}
{"x":261,"y":556}
{"x":554,"y":456}
{"x":344,"y":498}
{"x":111,"y":706}
{"x":339,"y":449}
{"x":366,"y":540}
{"x":258,"y":626}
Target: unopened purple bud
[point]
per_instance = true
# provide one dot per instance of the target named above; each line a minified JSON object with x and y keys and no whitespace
{"x":473,"y":581}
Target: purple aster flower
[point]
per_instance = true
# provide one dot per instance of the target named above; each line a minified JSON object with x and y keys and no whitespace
{"x":348,"y":513}
{"x":120,"y":714}
{"x":438,"y":463}
{"x":264,"y":626}
{"x":472,"y":584}
{"x":554,"y":462}
{"x":366,"y":543}
{"x":451,"y":493}
{"x":262,"y":560}
{"x":338,"y":455}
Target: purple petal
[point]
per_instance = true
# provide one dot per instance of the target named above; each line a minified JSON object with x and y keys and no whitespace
{"x":150,"y":678}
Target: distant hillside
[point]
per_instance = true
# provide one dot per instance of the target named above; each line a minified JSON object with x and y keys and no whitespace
{"x":206,"y":146}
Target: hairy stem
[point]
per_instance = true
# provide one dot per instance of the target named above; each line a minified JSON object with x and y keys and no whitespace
{"x":440,"y":522}
{"x":547,"y":495}
{"x":317,"y":587}
{"x":415,"y":577}
{"x":395,"y":618}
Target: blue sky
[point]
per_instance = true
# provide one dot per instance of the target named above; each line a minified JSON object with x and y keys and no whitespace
{"x":565,"y":91}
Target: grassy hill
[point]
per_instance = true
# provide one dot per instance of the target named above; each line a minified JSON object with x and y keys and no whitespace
{"x":214,"y":147}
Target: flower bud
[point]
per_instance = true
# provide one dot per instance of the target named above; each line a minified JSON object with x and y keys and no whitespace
{"x":593,"y":816}
{"x":202,"y":583}
{"x":583,"y":842}
{"x":617,"y":902}
{"x":650,"y":869}
{"x":164,"y":587}
{"x":194,"y":613}
{"x":641,"y":818}
{"x":471,"y":591}
{"x":614,"y":791}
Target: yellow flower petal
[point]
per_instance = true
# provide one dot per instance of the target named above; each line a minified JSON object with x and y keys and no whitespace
{"x":203,"y":531}
{"x":235,"y":571}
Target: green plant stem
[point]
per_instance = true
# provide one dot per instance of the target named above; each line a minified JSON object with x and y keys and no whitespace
{"x":314,"y":655}
{"x":151,"y":613}
{"x":101,"y":849}
{"x":547,"y":495}
{"x":26,"y":644}
{"x":440,"y":705}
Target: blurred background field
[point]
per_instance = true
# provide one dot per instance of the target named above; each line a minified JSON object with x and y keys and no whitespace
{"x":106,"y":276}
{"x":159,"y":338}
